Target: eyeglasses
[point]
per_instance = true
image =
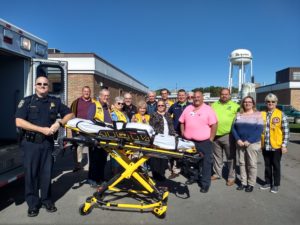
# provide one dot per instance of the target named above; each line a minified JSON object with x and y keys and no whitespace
{"x":42,"y":84}
{"x":160,"y":105}
{"x":120,"y":103}
{"x":270,"y":101}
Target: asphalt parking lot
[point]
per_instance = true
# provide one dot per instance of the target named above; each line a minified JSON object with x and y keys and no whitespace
{"x":186,"y":205}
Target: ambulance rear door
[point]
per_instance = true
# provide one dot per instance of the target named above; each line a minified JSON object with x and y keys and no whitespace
{"x":56,"y":72}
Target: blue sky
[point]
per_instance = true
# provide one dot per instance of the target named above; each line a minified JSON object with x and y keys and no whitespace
{"x":169,"y":43}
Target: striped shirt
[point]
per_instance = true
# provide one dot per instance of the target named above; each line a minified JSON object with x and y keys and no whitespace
{"x":285,"y":131}
{"x":248,"y":127}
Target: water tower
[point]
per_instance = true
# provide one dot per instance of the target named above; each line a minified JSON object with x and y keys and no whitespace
{"x":240,"y":59}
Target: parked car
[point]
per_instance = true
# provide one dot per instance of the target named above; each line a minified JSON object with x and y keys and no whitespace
{"x":292,"y":114}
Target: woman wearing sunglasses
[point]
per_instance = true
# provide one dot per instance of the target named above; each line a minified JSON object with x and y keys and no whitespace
{"x":247,"y":130}
{"x":162,"y":123}
{"x":274,"y":142}
{"x":117,"y":113}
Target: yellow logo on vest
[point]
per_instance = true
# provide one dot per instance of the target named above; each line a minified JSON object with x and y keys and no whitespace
{"x":276,"y":120}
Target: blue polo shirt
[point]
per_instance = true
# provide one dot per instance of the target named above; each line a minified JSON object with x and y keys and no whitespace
{"x":175,"y":110}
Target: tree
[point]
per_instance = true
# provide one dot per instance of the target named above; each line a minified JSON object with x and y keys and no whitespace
{"x":214,"y":90}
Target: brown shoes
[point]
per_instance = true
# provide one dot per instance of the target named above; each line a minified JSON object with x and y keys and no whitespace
{"x":173,"y":175}
{"x":213,"y":177}
{"x":230,"y":182}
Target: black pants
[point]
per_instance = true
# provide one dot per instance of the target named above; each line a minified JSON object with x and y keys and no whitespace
{"x":205,"y":147}
{"x":38,"y":163}
{"x":158,"y":167}
{"x":97,"y":162}
{"x":272,"y":166}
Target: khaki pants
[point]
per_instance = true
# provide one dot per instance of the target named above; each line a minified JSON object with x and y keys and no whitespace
{"x":248,"y":163}
{"x":78,"y":155}
{"x":224,"y":145}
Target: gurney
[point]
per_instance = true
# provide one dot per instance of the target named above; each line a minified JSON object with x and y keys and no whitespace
{"x":120,"y":141}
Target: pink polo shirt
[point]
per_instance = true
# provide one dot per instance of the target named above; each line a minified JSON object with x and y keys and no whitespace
{"x":197,"y":123}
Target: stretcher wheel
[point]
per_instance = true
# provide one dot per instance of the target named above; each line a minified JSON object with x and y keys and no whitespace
{"x":160,"y":212}
{"x":85,"y":209}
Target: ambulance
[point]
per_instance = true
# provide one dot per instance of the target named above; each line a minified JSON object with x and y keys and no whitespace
{"x":22,"y":55}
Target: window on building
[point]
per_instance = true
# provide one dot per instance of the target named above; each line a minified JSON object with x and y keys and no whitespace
{"x":296,"y":75}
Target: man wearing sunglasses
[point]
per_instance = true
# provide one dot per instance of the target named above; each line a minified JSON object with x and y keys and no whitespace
{"x":37,"y":116}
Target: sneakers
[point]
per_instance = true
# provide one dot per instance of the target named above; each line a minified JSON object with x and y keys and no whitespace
{"x":265,"y":187}
{"x":274,"y":189}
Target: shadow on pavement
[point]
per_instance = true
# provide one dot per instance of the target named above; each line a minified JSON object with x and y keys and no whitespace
{"x":12,"y":193}
{"x":295,"y":141}
{"x":64,"y":177}
{"x":179,"y":189}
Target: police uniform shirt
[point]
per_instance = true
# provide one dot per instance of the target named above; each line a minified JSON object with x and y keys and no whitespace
{"x":41,"y":111}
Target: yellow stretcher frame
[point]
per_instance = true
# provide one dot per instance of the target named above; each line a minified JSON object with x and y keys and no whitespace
{"x":132,"y":170}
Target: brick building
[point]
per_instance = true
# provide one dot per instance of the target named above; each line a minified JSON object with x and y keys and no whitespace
{"x":95,"y":72}
{"x":286,"y":88}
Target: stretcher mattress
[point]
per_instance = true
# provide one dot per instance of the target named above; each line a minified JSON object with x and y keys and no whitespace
{"x":160,"y":140}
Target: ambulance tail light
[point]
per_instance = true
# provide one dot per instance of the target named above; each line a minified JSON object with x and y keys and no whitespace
{"x":25,"y":43}
{"x":7,"y":36}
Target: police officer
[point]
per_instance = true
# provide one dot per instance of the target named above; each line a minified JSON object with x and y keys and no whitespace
{"x":36,"y":116}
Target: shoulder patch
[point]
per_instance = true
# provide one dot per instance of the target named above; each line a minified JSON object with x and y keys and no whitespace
{"x":21,"y":103}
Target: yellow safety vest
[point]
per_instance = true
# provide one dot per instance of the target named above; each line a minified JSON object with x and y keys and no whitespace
{"x":169,"y":103}
{"x":276,"y":137}
{"x":99,"y":114}
{"x":121,"y":116}
{"x":139,"y":118}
